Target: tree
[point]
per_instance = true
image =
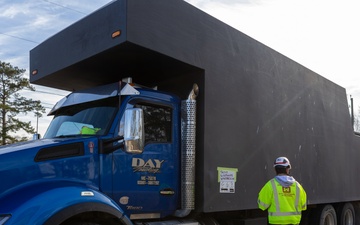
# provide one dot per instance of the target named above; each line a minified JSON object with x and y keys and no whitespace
{"x":12,"y":103}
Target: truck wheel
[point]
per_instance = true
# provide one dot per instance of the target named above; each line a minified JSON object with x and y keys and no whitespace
{"x":84,"y":223}
{"x":347,"y":216}
{"x":94,"y":223}
{"x":328,"y":216}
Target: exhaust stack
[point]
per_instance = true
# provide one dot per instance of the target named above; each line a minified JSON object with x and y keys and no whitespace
{"x":188,"y":134}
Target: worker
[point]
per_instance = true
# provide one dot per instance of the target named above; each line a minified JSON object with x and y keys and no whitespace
{"x":283,"y":196}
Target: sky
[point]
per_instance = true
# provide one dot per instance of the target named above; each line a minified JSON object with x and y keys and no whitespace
{"x":322,"y":35}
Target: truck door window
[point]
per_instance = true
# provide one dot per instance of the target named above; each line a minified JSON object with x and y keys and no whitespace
{"x":158,"y":123}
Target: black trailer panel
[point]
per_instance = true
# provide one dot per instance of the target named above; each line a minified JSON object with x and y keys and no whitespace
{"x":254,"y":104}
{"x":64,"y":60}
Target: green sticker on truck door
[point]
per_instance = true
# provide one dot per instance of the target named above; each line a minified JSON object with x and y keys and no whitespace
{"x":227,"y":179}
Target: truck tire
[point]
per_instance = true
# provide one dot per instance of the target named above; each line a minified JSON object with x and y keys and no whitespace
{"x":328,"y":215}
{"x":346,"y":214}
{"x":92,"y":223}
{"x":84,"y":223}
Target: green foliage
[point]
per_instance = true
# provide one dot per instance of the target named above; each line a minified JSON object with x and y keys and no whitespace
{"x":12,"y":103}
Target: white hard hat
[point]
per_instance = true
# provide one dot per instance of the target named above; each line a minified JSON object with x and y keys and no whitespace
{"x":282,"y":162}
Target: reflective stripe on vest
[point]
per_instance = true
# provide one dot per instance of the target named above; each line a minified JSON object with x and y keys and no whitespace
{"x":277,"y":203}
{"x":263,"y":204}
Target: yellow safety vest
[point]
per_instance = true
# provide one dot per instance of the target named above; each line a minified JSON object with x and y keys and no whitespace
{"x":284,"y":204}
{"x":88,"y":130}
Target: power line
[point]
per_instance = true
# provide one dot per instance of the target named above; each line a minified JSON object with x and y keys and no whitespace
{"x":45,"y":92}
{"x":47,"y":103}
{"x":28,"y":40}
{"x":65,"y":7}
{"x":24,"y":39}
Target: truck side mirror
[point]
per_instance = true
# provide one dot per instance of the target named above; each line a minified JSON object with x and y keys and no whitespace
{"x":134,"y":136}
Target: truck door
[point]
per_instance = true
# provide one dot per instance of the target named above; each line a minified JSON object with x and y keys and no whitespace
{"x":147,"y":185}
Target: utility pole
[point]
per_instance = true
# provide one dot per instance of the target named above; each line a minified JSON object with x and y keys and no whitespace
{"x":352,"y":111}
{"x":37,"y":135}
{"x":37,"y":124}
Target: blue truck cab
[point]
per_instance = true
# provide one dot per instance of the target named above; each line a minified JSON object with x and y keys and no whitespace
{"x":111,"y":153}
{"x":117,"y":153}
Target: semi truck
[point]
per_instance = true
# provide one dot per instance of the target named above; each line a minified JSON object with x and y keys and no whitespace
{"x":174,"y":117}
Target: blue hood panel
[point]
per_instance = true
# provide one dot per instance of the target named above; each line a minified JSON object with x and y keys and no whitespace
{"x":25,"y":146}
{"x":73,"y":159}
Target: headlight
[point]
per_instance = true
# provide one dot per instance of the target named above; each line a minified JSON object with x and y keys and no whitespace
{"x":4,"y":218}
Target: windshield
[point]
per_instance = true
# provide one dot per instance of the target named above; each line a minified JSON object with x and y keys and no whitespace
{"x":84,"y":119}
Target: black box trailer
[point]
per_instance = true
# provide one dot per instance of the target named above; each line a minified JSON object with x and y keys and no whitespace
{"x":255,"y":104}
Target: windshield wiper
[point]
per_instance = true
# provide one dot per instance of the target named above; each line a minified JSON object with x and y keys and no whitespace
{"x":68,"y":135}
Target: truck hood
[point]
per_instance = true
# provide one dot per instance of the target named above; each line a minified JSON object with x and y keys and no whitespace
{"x":42,"y":159}
{"x":28,"y":145}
